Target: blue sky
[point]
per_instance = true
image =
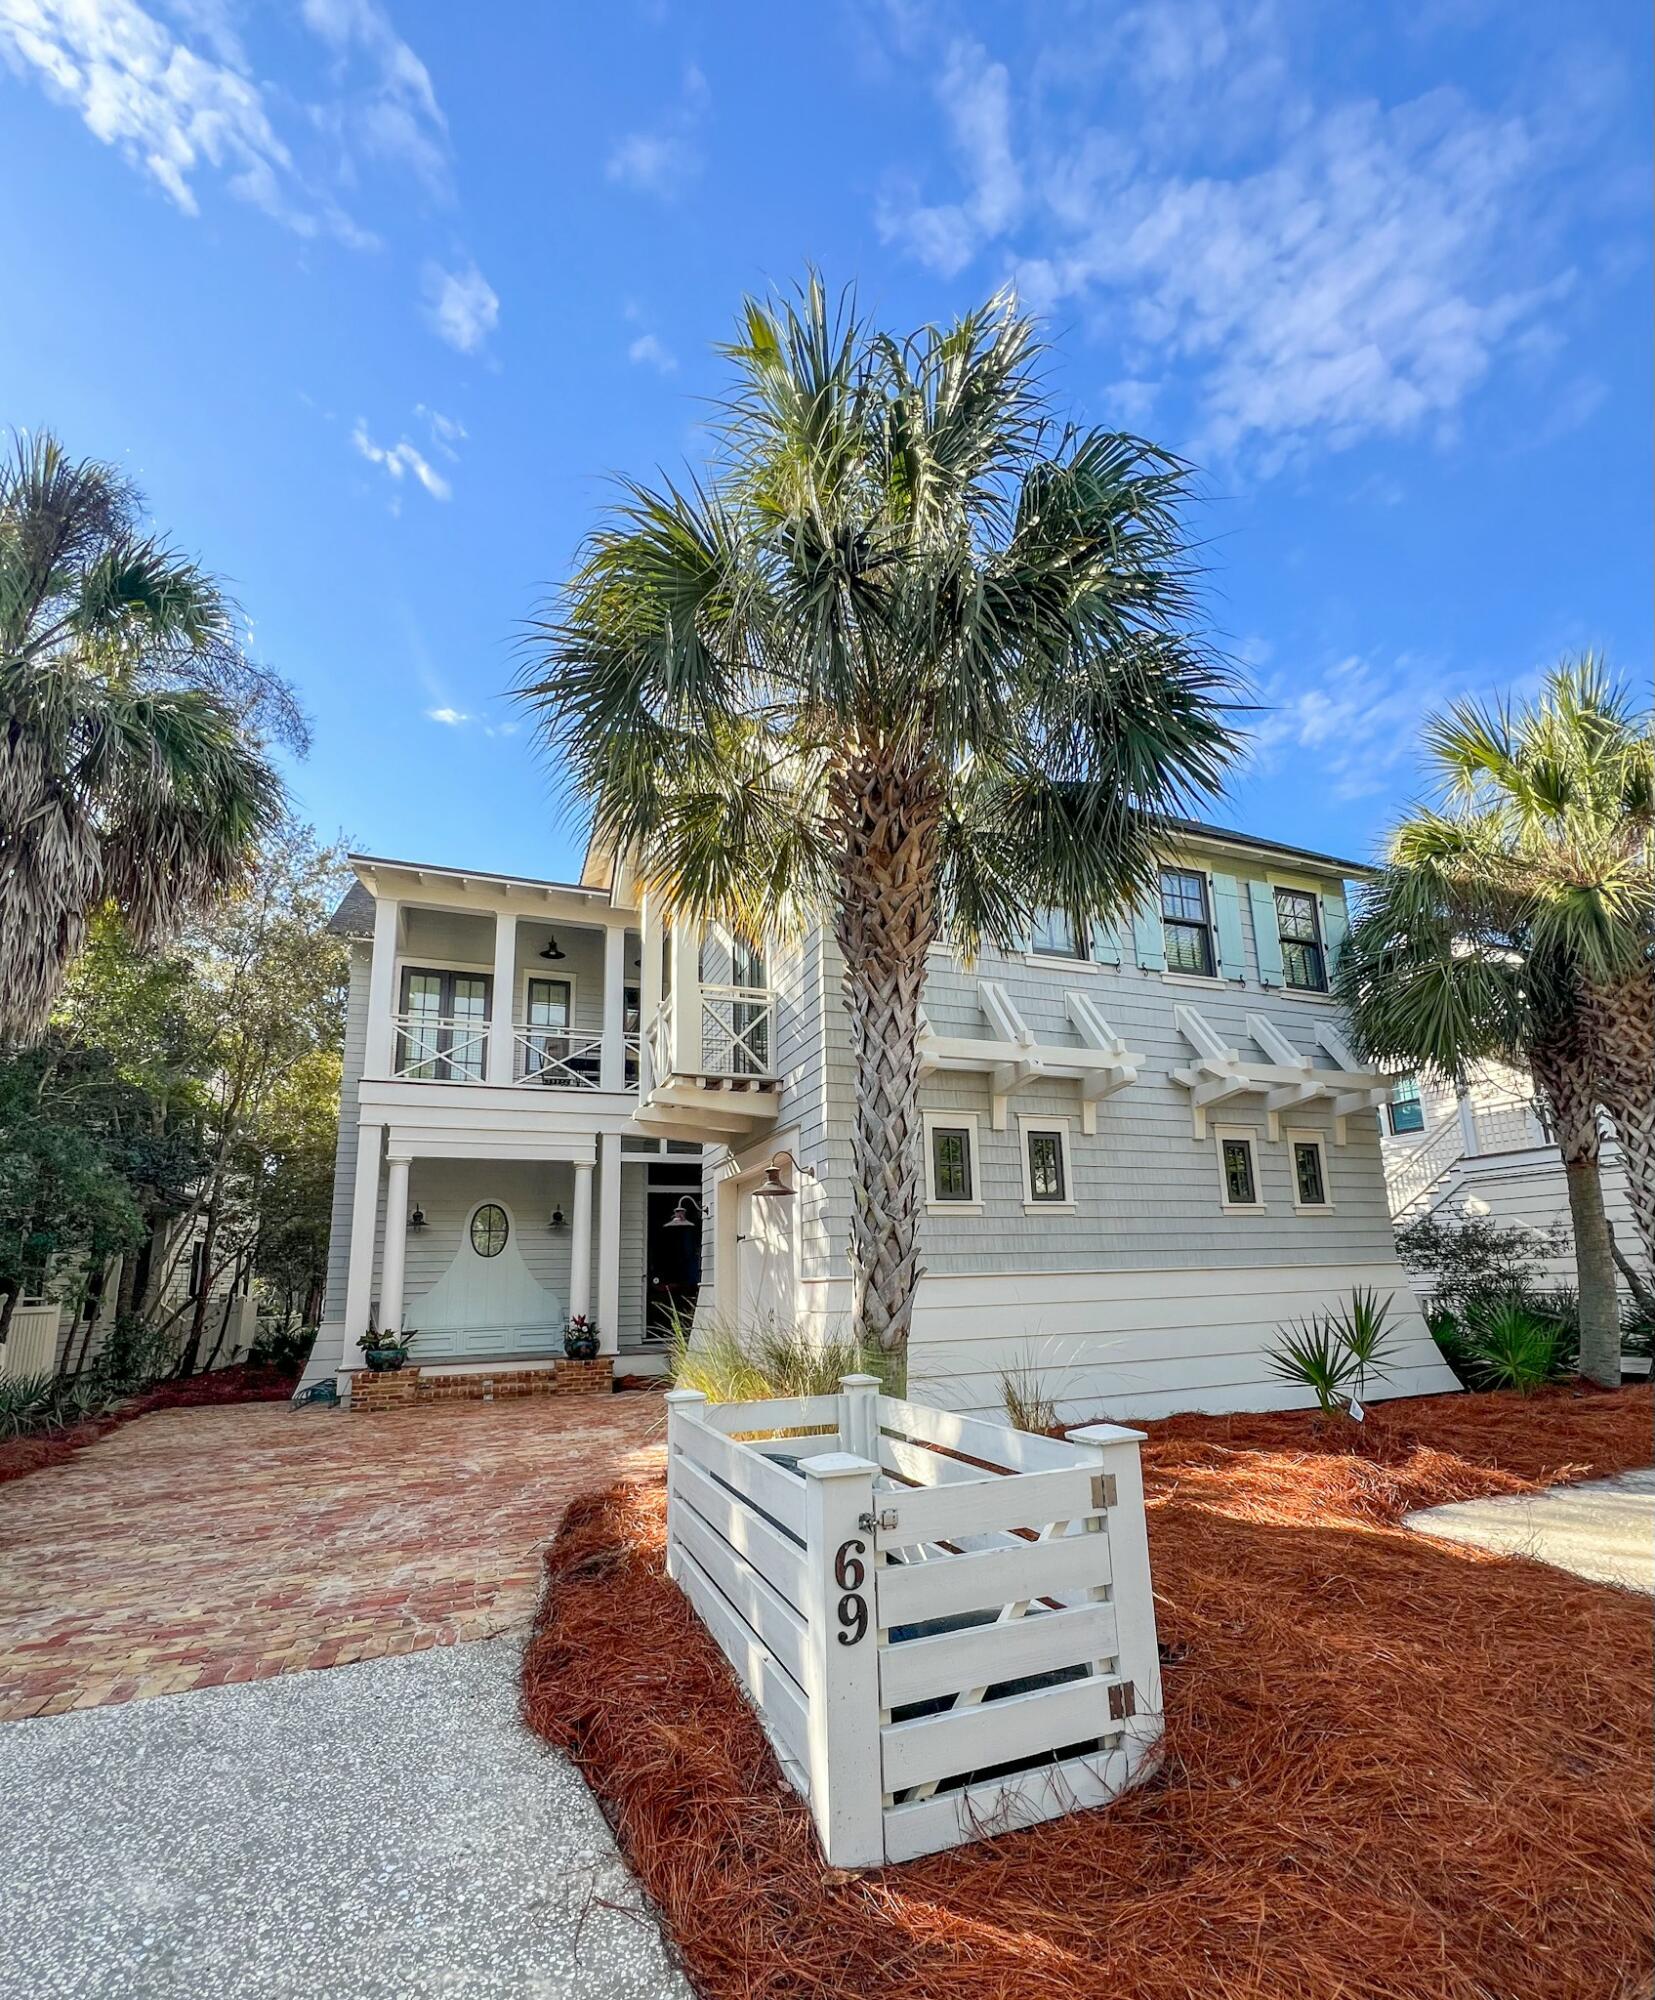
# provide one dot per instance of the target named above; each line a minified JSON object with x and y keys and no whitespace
{"x":371,"y":299}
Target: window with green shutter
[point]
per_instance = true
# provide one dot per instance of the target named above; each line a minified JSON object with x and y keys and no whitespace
{"x":1297,"y":925}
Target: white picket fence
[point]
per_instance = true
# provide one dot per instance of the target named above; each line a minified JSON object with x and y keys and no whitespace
{"x":945,"y":1625}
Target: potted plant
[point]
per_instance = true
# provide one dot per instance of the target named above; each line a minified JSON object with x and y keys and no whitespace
{"x":386,"y":1352}
{"x":580,"y":1338}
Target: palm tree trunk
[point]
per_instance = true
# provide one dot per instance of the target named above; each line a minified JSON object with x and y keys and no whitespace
{"x":1564,"y":1073}
{"x":1622,"y":1021}
{"x":886,"y":922}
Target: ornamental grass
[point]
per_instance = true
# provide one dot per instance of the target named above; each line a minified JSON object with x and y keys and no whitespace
{"x":1393,"y":1766}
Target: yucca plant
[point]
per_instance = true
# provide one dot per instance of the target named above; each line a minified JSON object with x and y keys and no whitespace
{"x":1310,"y":1354}
{"x":1510,"y":1346}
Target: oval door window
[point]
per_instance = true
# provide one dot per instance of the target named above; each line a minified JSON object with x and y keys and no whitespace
{"x":489,"y":1230}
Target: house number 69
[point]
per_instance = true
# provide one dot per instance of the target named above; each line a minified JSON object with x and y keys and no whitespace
{"x":850,"y":1573}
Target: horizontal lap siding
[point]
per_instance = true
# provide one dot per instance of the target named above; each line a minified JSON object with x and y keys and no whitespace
{"x":344,"y":1165}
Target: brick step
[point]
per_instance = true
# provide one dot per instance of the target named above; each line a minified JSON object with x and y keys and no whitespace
{"x":405,"y":1388}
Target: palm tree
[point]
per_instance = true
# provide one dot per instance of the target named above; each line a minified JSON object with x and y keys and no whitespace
{"x":131,"y":771}
{"x":915,"y":658}
{"x":1514,"y":923}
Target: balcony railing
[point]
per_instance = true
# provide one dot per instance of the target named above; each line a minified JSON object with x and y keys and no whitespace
{"x":451,"y":1048}
{"x":557,"y":1059}
{"x":736,"y":1038}
{"x":440,"y":1048}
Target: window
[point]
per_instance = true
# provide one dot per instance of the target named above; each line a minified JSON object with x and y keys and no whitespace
{"x":1406,"y":1112}
{"x":951,"y":1159}
{"x":1309,"y":1170}
{"x":1298,"y":923}
{"x":1054,"y":936}
{"x":543,"y":1045}
{"x":1186,"y":922}
{"x":489,"y":1230}
{"x":1047,"y":1179}
{"x":444,"y":1033}
{"x":1238,"y":1167}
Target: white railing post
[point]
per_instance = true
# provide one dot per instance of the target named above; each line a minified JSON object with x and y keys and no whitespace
{"x":500,"y":1051}
{"x":842,"y":1659}
{"x":1138,"y":1658}
{"x":380,"y":1037}
{"x":859,"y":1415}
{"x":683,"y":1406}
{"x":686,"y":996}
{"x":612,"y":1057}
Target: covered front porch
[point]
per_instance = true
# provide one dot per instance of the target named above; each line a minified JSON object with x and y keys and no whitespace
{"x":485,"y":1252}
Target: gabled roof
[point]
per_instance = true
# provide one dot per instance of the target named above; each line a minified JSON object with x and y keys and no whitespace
{"x":354,"y":917}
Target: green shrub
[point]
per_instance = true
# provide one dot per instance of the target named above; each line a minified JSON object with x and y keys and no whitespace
{"x":1334,"y":1354}
{"x":38,"y":1405}
{"x":1474,"y":1257}
{"x":731,"y":1364}
{"x":1511,"y":1346}
{"x":133,"y":1355}
{"x":285,"y":1347}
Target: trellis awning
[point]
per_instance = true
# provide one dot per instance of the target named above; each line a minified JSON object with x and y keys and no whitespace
{"x":1013,"y":1057}
{"x":1288,"y":1079}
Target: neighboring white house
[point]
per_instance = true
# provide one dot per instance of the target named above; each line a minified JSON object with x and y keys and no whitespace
{"x":1485,"y":1151}
{"x":1145,"y":1148}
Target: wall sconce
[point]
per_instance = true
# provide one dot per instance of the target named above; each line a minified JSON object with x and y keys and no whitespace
{"x":555,"y":1219}
{"x":417,"y":1219}
{"x":773,"y":1187}
{"x":680,"y":1217}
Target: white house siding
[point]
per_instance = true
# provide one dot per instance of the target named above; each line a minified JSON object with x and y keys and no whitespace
{"x":344,"y":1163}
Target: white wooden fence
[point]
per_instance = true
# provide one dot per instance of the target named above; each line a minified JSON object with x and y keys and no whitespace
{"x":945,"y":1625}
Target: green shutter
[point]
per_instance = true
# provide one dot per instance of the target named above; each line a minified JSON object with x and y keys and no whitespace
{"x":1106,"y":944}
{"x":1232,"y":956}
{"x":1148,"y":939}
{"x":1266,"y":932}
{"x":1334,"y":927}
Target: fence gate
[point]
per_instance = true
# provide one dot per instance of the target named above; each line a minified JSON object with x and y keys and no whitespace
{"x":945,"y":1625}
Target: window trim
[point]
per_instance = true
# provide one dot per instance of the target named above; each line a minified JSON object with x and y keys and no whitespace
{"x":1417,"y":1100}
{"x":1058,"y":1127}
{"x":1318,"y":943}
{"x":1297,"y":1136}
{"x":1081,"y":955}
{"x":1207,"y":926}
{"x":1249,"y":1133}
{"x":953,"y":1121}
{"x":487,"y":1256}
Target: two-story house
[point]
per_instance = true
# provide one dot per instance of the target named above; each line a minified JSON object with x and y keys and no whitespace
{"x":1146,"y":1148}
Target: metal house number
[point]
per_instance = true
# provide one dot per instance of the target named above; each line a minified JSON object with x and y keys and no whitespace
{"x":850,"y":1573}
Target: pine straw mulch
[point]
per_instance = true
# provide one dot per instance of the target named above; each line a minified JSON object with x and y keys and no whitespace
{"x":1395,"y":1766}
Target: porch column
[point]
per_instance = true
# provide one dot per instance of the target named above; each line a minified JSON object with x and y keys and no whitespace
{"x":502,"y":1042}
{"x":580,"y":1243}
{"x":395,"y":1255}
{"x":609,"y":1242}
{"x":686,"y":996}
{"x":382,"y":993}
{"x":1468,"y":1122}
{"x":612,"y":1075}
{"x":649,"y":985}
{"x":359,"y":1272}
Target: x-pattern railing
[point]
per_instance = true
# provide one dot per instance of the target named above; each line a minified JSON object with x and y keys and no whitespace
{"x":737,"y":1030}
{"x":556,"y":1058}
{"x":440,"y":1048}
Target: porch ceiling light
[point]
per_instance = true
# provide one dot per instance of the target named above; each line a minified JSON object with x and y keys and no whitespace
{"x":552,"y":949}
{"x":680,"y":1217}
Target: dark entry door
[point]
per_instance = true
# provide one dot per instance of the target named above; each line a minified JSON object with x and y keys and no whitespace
{"x":672,"y":1265}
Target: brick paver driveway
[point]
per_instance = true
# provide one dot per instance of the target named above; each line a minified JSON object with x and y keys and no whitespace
{"x":195,"y":1547}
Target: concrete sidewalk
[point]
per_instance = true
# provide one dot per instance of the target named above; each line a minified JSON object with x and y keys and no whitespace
{"x":385,"y":1831}
{"x":1603,"y":1530}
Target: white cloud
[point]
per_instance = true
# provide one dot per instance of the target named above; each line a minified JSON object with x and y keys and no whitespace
{"x":177,"y":97}
{"x":975,"y":95}
{"x":462,"y":307}
{"x":1130,"y":402}
{"x":664,"y":160}
{"x":1357,"y":720}
{"x":648,"y":350}
{"x":399,"y":459}
{"x":1309,"y":270}
{"x":450,"y":718}
{"x":446,"y":432}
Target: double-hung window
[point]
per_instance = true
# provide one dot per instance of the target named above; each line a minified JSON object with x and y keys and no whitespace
{"x":1303,"y":961}
{"x":1048,"y":1181}
{"x":1186,"y":921}
{"x":950,"y":1159}
{"x":1055,"y":936}
{"x":1406,"y":1112}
